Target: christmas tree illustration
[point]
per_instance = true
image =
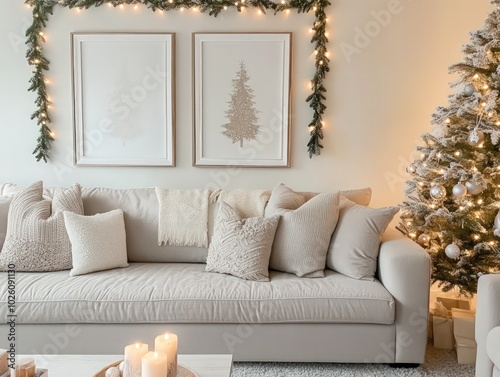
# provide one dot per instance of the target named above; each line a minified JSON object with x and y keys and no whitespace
{"x":242,"y":114}
{"x":453,"y":199}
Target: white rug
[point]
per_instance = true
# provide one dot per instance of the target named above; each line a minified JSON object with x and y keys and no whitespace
{"x":439,"y":363}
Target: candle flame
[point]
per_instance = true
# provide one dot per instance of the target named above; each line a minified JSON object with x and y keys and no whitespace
{"x":155,"y":355}
{"x":137,"y":345}
{"x":166,"y":336}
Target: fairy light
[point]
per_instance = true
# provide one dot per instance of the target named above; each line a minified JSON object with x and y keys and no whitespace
{"x":182,"y":9}
{"x":421,"y":184}
{"x":225,"y":7}
{"x":109,"y":5}
{"x":447,"y":121}
{"x":470,"y":204}
{"x":497,"y":123}
{"x":476,"y":237}
{"x":439,"y":155}
{"x":483,"y":104}
{"x":461,"y":208}
{"x":457,"y":153}
{"x":311,"y":30}
{"x":52,"y":134}
{"x":321,"y":62}
{"x":480,"y":201}
{"x":288,"y":11}
{"x":433,"y":206}
{"x":135,"y":7}
{"x":491,"y":243}
{"x":486,"y":87}
{"x":476,"y":76}
{"x":412,"y":235}
{"x":259,"y":12}
{"x":121,"y":6}
{"x":315,"y":9}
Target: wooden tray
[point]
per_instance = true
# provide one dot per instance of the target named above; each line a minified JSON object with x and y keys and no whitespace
{"x":182,"y":371}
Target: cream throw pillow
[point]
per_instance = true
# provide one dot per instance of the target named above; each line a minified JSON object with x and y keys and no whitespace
{"x":355,"y":243}
{"x":241,"y":247}
{"x":97,"y":242}
{"x":304,"y":232}
{"x":36,"y":237}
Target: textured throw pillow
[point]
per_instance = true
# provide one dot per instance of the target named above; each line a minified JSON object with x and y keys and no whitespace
{"x":241,"y":247}
{"x":97,"y":242}
{"x":303,"y":235}
{"x":355,"y":243}
{"x":283,"y":197}
{"x":36,"y":236}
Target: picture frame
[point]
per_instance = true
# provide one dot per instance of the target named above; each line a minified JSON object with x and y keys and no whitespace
{"x":123,"y":98}
{"x":241,"y":88}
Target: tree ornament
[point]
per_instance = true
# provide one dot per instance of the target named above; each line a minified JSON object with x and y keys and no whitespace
{"x":496,"y":225}
{"x":121,"y":367}
{"x":459,"y":190}
{"x":113,"y":372}
{"x":474,"y":187}
{"x":423,"y":239}
{"x":476,"y":138}
{"x":438,"y":192}
{"x":469,"y":90}
{"x":412,"y":169}
{"x":452,"y":251}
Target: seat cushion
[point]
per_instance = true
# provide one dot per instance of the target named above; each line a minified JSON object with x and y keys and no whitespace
{"x":493,"y":346}
{"x":184,"y":293}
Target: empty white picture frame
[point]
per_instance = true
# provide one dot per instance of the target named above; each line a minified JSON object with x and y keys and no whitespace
{"x":241,"y":99}
{"x":123,"y":99}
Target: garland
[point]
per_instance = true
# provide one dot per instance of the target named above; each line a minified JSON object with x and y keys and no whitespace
{"x":43,"y":8}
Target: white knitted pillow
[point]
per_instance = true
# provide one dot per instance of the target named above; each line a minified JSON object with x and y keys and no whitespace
{"x":36,"y":237}
{"x":98,"y":242}
{"x":241,"y":247}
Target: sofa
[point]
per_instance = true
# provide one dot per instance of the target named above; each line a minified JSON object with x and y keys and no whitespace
{"x":165,"y":288}
{"x":488,"y":326}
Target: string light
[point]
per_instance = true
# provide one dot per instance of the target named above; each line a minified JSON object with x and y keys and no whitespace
{"x":447,"y":121}
{"x":412,"y":235}
{"x":135,"y":7}
{"x":476,"y":76}
{"x":457,"y":153}
{"x":259,"y":12}
{"x":480,"y":201}
{"x":110,"y":5}
{"x":121,"y":6}
{"x":476,"y":237}
{"x":461,"y":208}
{"x":439,"y":155}
{"x":225,"y":7}
{"x":483,"y":104}
{"x":486,"y":87}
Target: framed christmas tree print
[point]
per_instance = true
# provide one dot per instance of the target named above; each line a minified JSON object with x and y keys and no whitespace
{"x":242,"y":99}
{"x":123,"y":99}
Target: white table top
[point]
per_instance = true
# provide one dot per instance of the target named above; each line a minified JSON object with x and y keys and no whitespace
{"x":87,"y":365}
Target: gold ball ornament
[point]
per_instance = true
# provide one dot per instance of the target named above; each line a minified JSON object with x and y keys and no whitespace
{"x":423,"y":239}
{"x":438,"y":192}
{"x":476,"y":138}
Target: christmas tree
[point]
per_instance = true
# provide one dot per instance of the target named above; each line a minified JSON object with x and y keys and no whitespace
{"x":453,"y":199}
{"x":242,"y":114}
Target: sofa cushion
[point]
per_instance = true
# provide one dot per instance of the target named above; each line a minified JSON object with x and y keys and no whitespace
{"x":361,"y":196}
{"x":140,"y":207}
{"x":4,"y":212}
{"x":355,"y":244}
{"x":493,"y":346}
{"x":36,"y":237}
{"x":97,"y":242}
{"x":184,"y":293}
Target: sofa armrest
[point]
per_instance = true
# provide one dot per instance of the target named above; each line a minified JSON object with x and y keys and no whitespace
{"x":487,"y":318}
{"x":404,"y":270}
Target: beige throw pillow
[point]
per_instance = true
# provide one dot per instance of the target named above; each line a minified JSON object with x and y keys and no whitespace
{"x":355,"y":243}
{"x":36,"y":235}
{"x":241,"y":247}
{"x":301,"y":242}
{"x":98,"y":242}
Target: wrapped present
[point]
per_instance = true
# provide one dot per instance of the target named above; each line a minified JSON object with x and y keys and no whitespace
{"x":442,"y":328}
{"x":464,"y":323}
{"x":466,"y":350}
{"x":453,"y":302}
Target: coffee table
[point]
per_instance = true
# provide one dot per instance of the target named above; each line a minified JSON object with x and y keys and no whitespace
{"x":87,"y":365}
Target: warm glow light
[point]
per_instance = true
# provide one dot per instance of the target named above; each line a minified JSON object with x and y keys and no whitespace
{"x":166,"y":336}
{"x":182,"y":9}
{"x":485,"y":87}
{"x":40,"y":33}
{"x":476,"y":76}
{"x":447,"y":121}
{"x":195,"y":9}
{"x":498,"y":123}
{"x":315,"y":52}
{"x":288,"y":11}
{"x":457,"y":153}
{"x":43,"y":115}
{"x":121,"y":6}
{"x":326,"y":34}
{"x":78,"y":10}
{"x":283,"y":2}
{"x":439,"y":155}
{"x":441,"y":171}
{"x":225,"y":7}
{"x":109,"y":5}
{"x":155,"y":355}
{"x":420,"y":184}
{"x":413,"y":235}
{"x":311,"y":30}
{"x":135,"y":6}
{"x":37,"y":61}
{"x":321,"y":62}
{"x":476,"y":236}
{"x":491,"y":243}
{"x":52,"y":134}
{"x":480,"y":201}
{"x":483,"y":104}
{"x":433,"y":206}
{"x":315,"y":9}
{"x":259,"y":12}
{"x":408,"y":223}
{"x":461,"y":208}
{"x":470,"y":204}
{"x":137,"y":345}
{"x":327,"y":54}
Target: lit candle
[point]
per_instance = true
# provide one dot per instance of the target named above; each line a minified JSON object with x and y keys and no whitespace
{"x":167,"y":344}
{"x":133,"y":355}
{"x":154,"y":364}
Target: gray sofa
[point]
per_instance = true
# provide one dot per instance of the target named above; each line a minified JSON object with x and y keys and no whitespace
{"x":331,"y":319}
{"x":488,"y":326}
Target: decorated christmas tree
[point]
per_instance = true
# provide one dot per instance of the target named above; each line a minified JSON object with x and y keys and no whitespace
{"x":242,"y":114}
{"x":453,"y":199}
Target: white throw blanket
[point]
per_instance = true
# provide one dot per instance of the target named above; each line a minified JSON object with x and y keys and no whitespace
{"x":249,"y":203}
{"x":183,"y":217}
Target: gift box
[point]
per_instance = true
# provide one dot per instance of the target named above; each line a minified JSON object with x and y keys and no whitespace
{"x":464,"y":323}
{"x":466,"y":350}
{"x":442,"y":331}
{"x":450,"y":302}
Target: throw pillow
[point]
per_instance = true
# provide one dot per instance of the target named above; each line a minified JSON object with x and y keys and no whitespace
{"x":283,"y":197}
{"x":303,"y":235}
{"x":36,"y":237}
{"x":97,"y":242}
{"x":355,"y":243}
{"x":241,"y":247}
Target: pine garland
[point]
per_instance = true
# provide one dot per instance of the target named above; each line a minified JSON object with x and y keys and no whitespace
{"x":43,"y":8}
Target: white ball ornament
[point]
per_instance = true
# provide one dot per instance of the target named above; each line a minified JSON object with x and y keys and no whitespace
{"x":476,"y":138}
{"x":411,"y":169}
{"x":459,"y":190}
{"x":452,"y":251}
{"x":496,"y":224}
{"x":474,"y":187}
{"x":469,"y":90}
{"x":121,"y":367}
{"x":438,"y":192}
{"x":113,"y":372}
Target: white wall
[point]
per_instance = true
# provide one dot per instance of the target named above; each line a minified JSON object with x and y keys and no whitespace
{"x":378,"y":103}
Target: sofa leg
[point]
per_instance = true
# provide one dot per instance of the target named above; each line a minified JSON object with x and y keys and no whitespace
{"x":404,"y":365}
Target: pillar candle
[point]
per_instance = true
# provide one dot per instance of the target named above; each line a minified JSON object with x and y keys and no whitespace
{"x":4,"y":364}
{"x":133,"y":356}
{"x":154,"y":364}
{"x":167,"y":343}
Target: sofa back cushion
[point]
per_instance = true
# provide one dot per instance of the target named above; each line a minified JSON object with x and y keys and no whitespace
{"x":4,"y":213}
{"x":140,"y":208}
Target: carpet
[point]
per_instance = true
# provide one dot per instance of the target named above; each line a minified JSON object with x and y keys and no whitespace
{"x":439,"y":363}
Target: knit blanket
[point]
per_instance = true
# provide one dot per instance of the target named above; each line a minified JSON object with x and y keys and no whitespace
{"x":249,"y":203}
{"x":183,"y":217}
